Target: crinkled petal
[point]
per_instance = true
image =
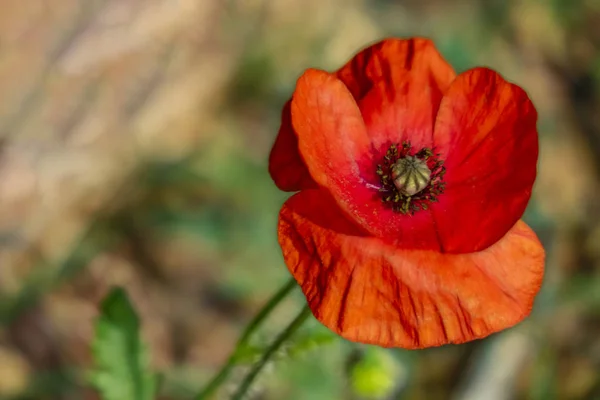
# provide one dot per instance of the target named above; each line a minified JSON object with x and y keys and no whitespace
{"x":338,"y":152}
{"x":370,"y":291}
{"x":486,"y":132}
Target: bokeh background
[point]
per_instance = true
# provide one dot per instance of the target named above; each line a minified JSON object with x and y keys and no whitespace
{"x":134,"y":137}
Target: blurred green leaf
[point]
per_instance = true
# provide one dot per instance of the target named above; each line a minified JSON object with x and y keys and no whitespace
{"x":121,"y":370}
{"x":375,"y":375}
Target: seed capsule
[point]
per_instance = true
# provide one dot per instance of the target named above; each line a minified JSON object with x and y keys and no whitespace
{"x":410,"y":175}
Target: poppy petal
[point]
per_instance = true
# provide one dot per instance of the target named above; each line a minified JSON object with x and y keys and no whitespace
{"x":286,"y":167}
{"x":486,"y":132}
{"x":331,"y":133}
{"x":398,"y":85}
{"x":385,"y":79}
{"x":369,"y":291}
{"x":334,"y":143}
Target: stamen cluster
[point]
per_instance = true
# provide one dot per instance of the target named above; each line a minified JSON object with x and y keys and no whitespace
{"x":403,"y":203}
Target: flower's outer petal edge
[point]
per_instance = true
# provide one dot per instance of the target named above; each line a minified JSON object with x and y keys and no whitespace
{"x":371,"y":292}
{"x":286,"y":166}
{"x":398,"y":85}
{"x":373,"y":75}
{"x":486,"y":132}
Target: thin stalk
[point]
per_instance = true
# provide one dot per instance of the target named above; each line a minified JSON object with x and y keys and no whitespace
{"x":222,"y":375}
{"x":272,"y":349}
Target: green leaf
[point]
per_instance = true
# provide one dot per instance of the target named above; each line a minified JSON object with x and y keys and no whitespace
{"x":121,"y":359}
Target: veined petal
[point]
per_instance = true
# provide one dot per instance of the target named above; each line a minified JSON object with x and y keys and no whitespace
{"x":398,"y":85}
{"x":339,"y":154}
{"x":486,"y":132}
{"x":370,"y":291}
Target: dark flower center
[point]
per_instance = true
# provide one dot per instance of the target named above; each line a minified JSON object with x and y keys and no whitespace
{"x":410,"y":180}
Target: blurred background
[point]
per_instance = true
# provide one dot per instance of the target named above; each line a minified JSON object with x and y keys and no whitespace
{"x":134,"y":137}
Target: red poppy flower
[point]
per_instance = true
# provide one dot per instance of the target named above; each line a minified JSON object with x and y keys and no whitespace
{"x":412,"y":180}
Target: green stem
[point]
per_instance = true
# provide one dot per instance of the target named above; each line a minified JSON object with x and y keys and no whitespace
{"x":243,"y":341}
{"x":283,"y":336}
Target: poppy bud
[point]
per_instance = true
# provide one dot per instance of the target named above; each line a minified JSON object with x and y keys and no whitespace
{"x":410,"y":175}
